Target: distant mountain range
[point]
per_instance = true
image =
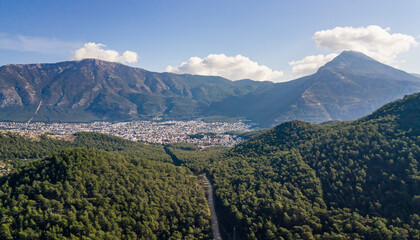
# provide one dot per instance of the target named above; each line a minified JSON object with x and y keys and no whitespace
{"x":348,"y":87}
{"x":98,"y":90}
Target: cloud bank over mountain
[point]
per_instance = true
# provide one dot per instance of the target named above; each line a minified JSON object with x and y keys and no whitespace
{"x":231,"y":67}
{"x":95,"y":50}
{"x":373,"y":40}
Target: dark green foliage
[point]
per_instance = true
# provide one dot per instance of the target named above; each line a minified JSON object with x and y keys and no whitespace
{"x":122,"y":146}
{"x":190,"y":156}
{"x":14,"y":147}
{"x":196,"y":136}
{"x":18,"y":149}
{"x":409,"y":114}
{"x":343,"y":180}
{"x":347,"y":180}
{"x":91,"y":194}
{"x":246,"y":135}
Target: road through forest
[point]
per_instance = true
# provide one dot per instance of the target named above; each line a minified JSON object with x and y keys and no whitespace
{"x":214,"y":223}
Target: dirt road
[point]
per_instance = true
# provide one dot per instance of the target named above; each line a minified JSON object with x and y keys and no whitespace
{"x":214,"y":223}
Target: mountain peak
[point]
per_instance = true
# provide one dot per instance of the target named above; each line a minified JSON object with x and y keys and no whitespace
{"x":357,"y":63}
{"x":354,"y":54}
{"x":351,"y":59}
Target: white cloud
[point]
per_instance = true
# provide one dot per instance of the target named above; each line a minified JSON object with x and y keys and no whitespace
{"x":35,"y":44}
{"x":234,"y":68}
{"x":95,"y":50}
{"x":372,"y":40}
{"x":310,"y":64}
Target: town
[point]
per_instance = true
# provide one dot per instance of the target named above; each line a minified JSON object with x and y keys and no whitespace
{"x":197,"y":131}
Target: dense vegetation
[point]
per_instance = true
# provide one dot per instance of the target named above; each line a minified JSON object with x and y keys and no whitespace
{"x":15,"y":148}
{"x":87,"y":193}
{"x":343,"y":180}
{"x":190,"y":156}
{"x":92,"y":194}
{"x":348,"y":180}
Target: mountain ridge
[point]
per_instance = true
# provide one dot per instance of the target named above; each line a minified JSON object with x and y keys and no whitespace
{"x":348,"y":87}
{"x":103,"y":90}
{"x":416,"y":75}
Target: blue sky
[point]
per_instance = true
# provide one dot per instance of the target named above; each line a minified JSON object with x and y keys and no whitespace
{"x":262,"y":40}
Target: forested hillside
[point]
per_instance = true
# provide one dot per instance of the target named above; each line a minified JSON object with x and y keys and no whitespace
{"x":16,"y":149}
{"x":91,"y":194}
{"x":52,"y":190}
{"x":190,"y":156}
{"x":344,"y":180}
{"x":347,"y":180}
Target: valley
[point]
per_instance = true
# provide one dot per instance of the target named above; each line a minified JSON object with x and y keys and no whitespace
{"x":295,"y":181}
{"x":209,"y":120}
{"x":299,"y":180}
{"x":197,"y":132}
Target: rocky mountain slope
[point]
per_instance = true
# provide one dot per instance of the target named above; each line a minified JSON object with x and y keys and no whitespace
{"x":97,"y":90}
{"x":350,"y":86}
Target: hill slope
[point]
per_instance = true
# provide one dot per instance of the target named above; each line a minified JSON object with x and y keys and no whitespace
{"x":349,"y":180}
{"x":17,"y":149}
{"x":92,"y":194}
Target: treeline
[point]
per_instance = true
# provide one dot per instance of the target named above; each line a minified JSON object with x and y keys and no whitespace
{"x":18,"y":148}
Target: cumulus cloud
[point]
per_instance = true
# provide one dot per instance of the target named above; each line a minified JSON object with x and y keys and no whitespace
{"x":35,"y":44}
{"x":231,"y":67}
{"x":310,"y":64}
{"x":372,"y":40}
{"x":95,"y":50}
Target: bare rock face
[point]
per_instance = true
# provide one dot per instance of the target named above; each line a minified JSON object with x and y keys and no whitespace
{"x":9,"y":97}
